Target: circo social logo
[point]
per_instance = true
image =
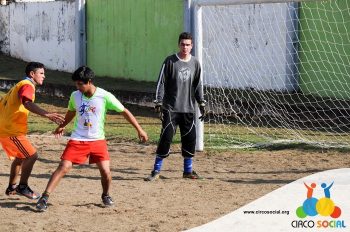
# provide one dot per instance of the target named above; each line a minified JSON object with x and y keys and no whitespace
{"x":323,"y":206}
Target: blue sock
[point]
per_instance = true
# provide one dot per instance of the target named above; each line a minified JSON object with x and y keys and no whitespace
{"x":158,"y":164}
{"x":187,"y":165}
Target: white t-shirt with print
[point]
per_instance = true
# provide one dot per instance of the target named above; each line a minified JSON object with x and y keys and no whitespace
{"x":91,"y":113}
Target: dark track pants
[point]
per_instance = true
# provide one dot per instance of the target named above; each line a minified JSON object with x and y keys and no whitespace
{"x":187,"y":126}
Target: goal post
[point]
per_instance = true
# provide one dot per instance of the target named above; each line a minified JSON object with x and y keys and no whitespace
{"x":273,"y":70}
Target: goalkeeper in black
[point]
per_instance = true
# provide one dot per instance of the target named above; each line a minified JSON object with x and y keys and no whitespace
{"x":179,"y":87}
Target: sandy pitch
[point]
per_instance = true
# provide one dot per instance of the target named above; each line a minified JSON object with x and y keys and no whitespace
{"x":173,"y":204}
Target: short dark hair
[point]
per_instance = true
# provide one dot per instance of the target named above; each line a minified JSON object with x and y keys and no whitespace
{"x":185,"y":35}
{"x":33,"y":66}
{"x":84,"y":74}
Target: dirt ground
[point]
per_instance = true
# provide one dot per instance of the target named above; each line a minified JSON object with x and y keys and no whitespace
{"x":232,"y":179}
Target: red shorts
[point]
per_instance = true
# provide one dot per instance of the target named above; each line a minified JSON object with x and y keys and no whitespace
{"x":78,"y":151}
{"x":17,"y":147}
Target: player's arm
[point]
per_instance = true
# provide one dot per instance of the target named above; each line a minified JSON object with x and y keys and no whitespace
{"x":112,"y":103}
{"x":132,"y":120}
{"x":160,"y":87}
{"x":67,"y":119}
{"x":34,"y":108}
{"x":160,"y":92}
{"x":25,"y":94}
{"x":198,"y":84}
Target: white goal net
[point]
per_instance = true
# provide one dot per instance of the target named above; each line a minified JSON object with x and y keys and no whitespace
{"x":275,"y":71}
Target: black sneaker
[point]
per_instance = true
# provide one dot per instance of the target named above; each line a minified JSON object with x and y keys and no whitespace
{"x":27,"y":192}
{"x":11,"y":190}
{"x":154,"y":176}
{"x":107,"y":200}
{"x":192,"y":175}
{"x":41,"y":205}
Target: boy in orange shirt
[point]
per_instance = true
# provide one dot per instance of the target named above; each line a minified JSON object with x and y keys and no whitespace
{"x":15,"y":107}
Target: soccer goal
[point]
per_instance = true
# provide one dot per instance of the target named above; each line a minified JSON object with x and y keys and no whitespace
{"x":274,"y":71}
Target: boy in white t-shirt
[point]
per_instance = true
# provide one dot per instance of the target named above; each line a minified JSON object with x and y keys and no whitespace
{"x":88,"y":105}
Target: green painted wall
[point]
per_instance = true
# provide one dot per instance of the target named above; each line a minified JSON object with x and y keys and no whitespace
{"x":131,"y":38}
{"x":325,"y":49}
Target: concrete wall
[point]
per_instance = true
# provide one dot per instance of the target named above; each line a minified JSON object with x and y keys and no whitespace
{"x":131,"y":38}
{"x":34,"y":0}
{"x":41,"y":31}
{"x":328,"y":34}
{"x":4,"y":29}
{"x":246,"y":46}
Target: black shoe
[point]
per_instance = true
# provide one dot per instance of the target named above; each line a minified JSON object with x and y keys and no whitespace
{"x":154,"y":176}
{"x":41,"y":205}
{"x":107,"y":200}
{"x":192,"y":175}
{"x":27,"y":192}
{"x":11,"y":190}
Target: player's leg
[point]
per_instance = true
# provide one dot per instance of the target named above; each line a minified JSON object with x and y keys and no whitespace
{"x":27,"y":167}
{"x":76,"y":152}
{"x":24,"y":156}
{"x":188,"y":144}
{"x":14,"y":173}
{"x":63,"y":168}
{"x":23,"y":187}
{"x":99,"y":155}
{"x":106,"y":179}
{"x":168,"y":131}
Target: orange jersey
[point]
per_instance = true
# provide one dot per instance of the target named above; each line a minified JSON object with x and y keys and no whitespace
{"x":13,"y":115}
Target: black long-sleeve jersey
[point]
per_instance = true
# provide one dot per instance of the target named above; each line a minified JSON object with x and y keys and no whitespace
{"x":179,"y":84}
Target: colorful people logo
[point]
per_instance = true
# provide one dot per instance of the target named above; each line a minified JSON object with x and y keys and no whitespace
{"x":313,"y":206}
